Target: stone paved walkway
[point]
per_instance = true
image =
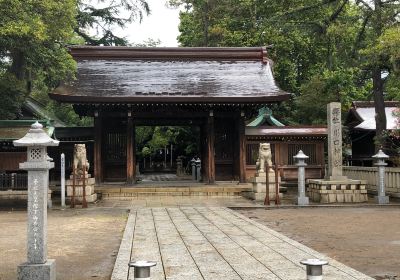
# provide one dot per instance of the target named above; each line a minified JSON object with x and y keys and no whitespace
{"x":191,"y":243}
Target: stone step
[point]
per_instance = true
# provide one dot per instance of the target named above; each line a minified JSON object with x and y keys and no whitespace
{"x":80,"y":176}
{"x":78,"y":199}
{"x":79,"y":190}
{"x":113,"y":192}
{"x":89,"y":181}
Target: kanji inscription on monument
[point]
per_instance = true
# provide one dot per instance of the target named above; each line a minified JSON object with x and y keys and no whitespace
{"x":335,"y":169}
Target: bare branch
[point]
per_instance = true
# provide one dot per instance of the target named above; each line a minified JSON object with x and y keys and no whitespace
{"x":361,"y":32}
{"x":335,"y":15}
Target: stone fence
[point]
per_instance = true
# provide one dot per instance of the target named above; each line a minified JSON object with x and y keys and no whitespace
{"x":392,"y":177}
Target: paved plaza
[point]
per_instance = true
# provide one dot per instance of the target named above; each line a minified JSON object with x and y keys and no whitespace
{"x":214,"y":243}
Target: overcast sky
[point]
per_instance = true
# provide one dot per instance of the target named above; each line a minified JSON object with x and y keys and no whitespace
{"x":161,"y":24}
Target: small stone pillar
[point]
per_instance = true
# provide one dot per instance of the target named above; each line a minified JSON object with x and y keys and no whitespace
{"x":62,"y":180}
{"x":193,"y":163}
{"x":37,"y":165}
{"x":179,"y":171}
{"x":300,"y":158}
{"x":380,"y":157}
{"x":198,"y":169}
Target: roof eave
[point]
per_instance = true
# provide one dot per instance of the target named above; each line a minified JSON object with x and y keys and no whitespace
{"x":168,"y":99}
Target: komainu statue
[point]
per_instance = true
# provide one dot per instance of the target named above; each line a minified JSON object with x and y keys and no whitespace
{"x":264,"y":156}
{"x":80,"y":159}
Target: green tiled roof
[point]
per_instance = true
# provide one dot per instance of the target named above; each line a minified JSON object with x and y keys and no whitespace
{"x":264,"y":118}
{"x":16,"y":129}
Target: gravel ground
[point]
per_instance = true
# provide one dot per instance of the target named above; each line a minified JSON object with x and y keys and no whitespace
{"x":367,"y":239}
{"x":84,"y":242}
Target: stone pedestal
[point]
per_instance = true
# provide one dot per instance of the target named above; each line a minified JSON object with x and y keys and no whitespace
{"x":302,"y":200}
{"x":91,"y":196}
{"x":259,"y":187}
{"x":45,"y":271}
{"x":346,"y":191}
{"x":381,"y":199}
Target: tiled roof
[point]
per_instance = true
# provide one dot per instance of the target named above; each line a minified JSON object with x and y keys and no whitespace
{"x":171,"y":75}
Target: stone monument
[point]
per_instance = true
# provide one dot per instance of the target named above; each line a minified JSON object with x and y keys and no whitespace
{"x":335,"y":168}
{"x":82,"y":178}
{"x":336,"y":187}
{"x":259,"y":180}
{"x":37,"y":165}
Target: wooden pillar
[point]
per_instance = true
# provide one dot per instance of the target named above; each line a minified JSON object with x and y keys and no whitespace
{"x":210,"y":149}
{"x":130,"y":151}
{"x":97,"y":158}
{"x":242,"y":148}
{"x":203,"y":152}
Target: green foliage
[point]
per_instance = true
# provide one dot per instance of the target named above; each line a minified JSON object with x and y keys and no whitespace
{"x":323,"y":50}
{"x":103,"y":16}
{"x":150,"y":140}
{"x":150,"y":42}
{"x":12,"y":93}
{"x":33,"y":35}
{"x":32,"y":55}
{"x":330,"y":86}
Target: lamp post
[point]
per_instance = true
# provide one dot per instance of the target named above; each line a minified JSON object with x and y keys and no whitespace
{"x":63,"y":180}
{"x":300,"y":158}
{"x":198,"y":169}
{"x":193,"y":163}
{"x":37,"y":165}
{"x":380,"y":157}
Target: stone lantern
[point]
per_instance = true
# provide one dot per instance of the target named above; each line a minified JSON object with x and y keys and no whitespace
{"x":198,"y":169}
{"x":300,"y":159}
{"x":37,"y":165}
{"x":380,"y":158}
{"x":193,"y":163}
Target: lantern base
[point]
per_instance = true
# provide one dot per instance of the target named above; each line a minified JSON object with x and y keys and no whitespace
{"x":45,"y":271}
{"x":302,"y":200}
{"x":381,"y":199}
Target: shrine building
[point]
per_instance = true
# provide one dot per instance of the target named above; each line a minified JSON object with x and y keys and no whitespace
{"x":215,"y":89}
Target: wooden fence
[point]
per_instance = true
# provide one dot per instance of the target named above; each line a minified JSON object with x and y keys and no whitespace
{"x":14,"y":181}
{"x":392,"y":177}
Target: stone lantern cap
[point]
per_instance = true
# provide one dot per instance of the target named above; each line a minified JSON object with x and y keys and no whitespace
{"x":314,"y":262}
{"x":36,"y":136}
{"x":142,"y":264}
{"x":380,"y":155}
{"x":300,"y":155}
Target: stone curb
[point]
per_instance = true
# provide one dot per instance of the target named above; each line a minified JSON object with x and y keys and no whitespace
{"x":121,"y":269}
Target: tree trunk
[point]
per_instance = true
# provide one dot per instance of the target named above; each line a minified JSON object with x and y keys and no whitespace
{"x":18,"y":64}
{"x":378,"y":83}
{"x":380,"y":115}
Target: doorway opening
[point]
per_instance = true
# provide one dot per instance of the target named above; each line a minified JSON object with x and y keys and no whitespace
{"x":162,"y":150}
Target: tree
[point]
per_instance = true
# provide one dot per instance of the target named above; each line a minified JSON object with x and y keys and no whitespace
{"x":104,"y":16}
{"x":150,"y":140}
{"x":313,"y":43}
{"x":32,"y":37}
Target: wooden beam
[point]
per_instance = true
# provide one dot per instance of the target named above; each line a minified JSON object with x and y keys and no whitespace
{"x":242,"y":149}
{"x":130,"y":151}
{"x":97,"y":157}
{"x":210,"y":149}
{"x":203,"y":152}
